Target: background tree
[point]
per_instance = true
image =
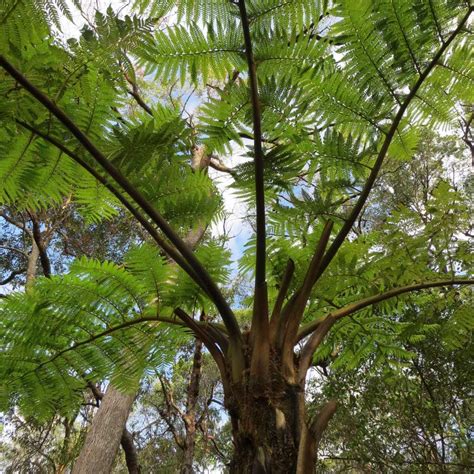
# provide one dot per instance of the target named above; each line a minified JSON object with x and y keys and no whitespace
{"x":412,"y":414}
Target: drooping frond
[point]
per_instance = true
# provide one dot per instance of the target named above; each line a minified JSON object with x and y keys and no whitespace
{"x":61,"y":335}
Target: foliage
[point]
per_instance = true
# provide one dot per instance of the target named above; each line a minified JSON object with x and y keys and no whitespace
{"x":328,"y":103}
{"x":411,"y":417}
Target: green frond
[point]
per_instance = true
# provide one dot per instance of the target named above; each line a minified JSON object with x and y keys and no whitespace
{"x":148,"y":266}
{"x":185,"y":293}
{"x":221,"y":118}
{"x":290,"y":55}
{"x":193,"y":54}
{"x":29,"y":21}
{"x":187,"y":11}
{"x":457,"y":331}
{"x":276,"y":15}
{"x":46,"y":356}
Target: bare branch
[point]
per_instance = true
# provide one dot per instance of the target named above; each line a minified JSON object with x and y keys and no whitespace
{"x":12,"y":275}
{"x":135,"y":93}
{"x":14,"y":249}
{"x":217,"y":164}
{"x":306,"y":354}
{"x":43,"y":255}
{"x":12,"y":221}
{"x":311,"y":436}
{"x":468,"y":135}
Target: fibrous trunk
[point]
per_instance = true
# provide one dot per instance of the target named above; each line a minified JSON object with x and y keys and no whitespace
{"x":271,"y":430}
{"x":267,"y":428}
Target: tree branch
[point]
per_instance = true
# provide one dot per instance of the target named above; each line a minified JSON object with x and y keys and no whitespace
{"x":136,"y":95}
{"x":346,"y":228}
{"x":322,"y":326}
{"x":206,"y":282}
{"x":217,"y":164}
{"x":12,"y":275}
{"x":169,"y":399}
{"x":10,"y":220}
{"x":296,"y":308}
{"x":117,"y":328}
{"x":43,"y":255}
{"x":131,"y":455}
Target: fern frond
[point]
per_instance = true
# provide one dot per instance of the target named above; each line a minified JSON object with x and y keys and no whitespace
{"x":193,"y":54}
{"x":53,"y":364}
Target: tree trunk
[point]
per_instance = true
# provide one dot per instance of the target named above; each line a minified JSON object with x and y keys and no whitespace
{"x":104,"y":436}
{"x":190,"y":416}
{"x":266,"y":429}
{"x":270,"y":427}
{"x":131,"y":456}
{"x":32,"y":264}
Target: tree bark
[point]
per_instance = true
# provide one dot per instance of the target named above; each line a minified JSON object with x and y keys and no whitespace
{"x":191,"y":402}
{"x":271,"y":433}
{"x":32,"y":264}
{"x":266,"y":429}
{"x":104,"y":436}
{"x":131,"y":455}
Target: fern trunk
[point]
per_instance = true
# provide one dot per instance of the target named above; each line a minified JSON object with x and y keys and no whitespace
{"x":272,"y":433}
{"x":267,"y":426}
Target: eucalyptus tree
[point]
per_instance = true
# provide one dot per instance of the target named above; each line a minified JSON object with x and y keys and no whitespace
{"x":321,"y":95}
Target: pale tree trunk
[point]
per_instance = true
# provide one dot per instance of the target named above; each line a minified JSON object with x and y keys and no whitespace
{"x":32,"y":264}
{"x":105,"y":434}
